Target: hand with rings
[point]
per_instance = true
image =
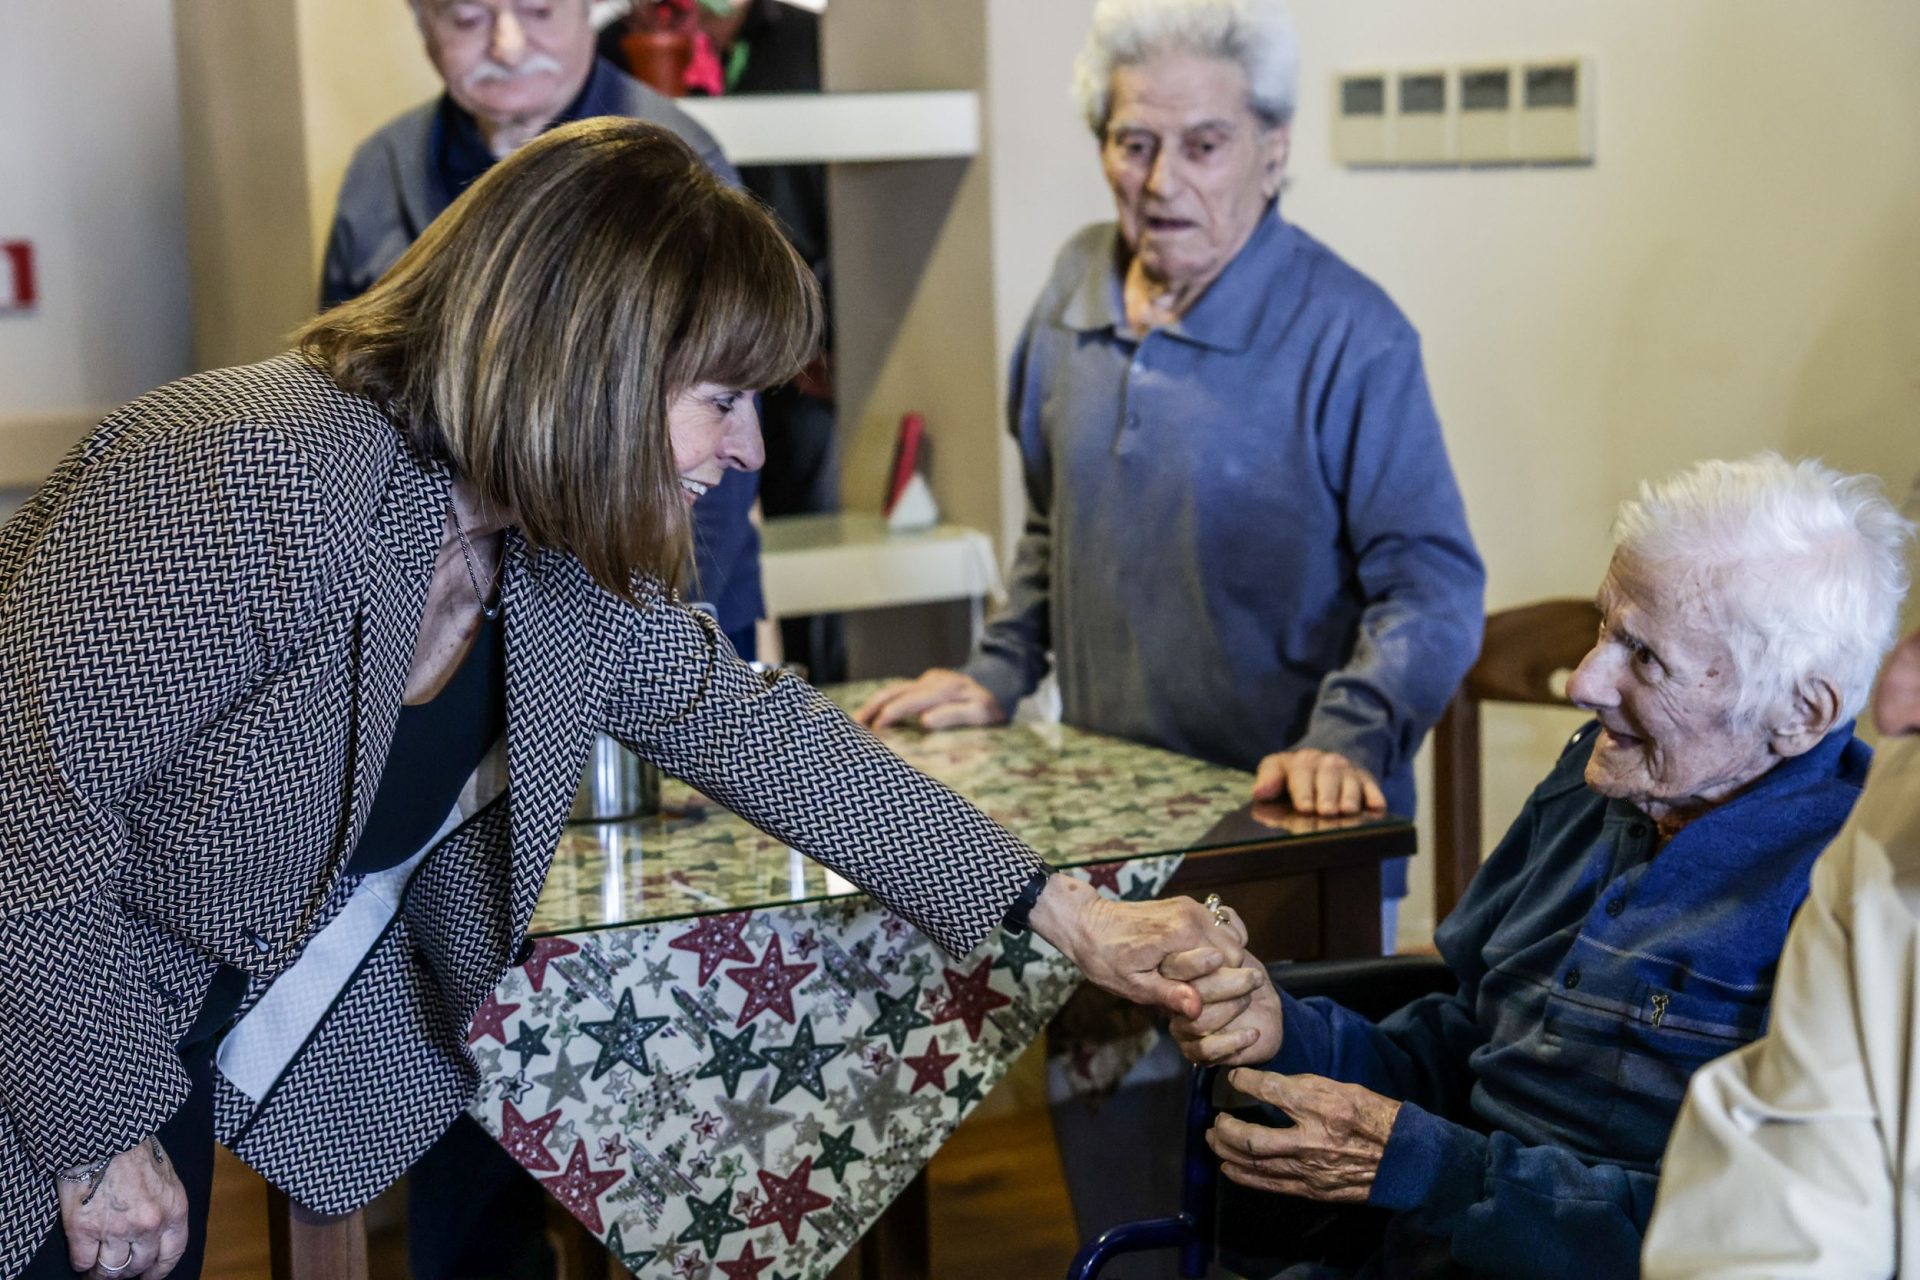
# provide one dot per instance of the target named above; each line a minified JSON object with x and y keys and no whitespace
{"x":126,"y":1216}
{"x":1239,"y":1022}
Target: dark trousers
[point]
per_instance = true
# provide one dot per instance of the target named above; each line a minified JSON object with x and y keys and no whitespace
{"x":188,"y":1139}
{"x":473,"y":1213}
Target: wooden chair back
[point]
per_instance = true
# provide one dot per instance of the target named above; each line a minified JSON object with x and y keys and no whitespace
{"x":1524,"y":649}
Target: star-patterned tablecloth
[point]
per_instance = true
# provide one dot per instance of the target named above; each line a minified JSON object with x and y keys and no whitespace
{"x":726,"y":1062}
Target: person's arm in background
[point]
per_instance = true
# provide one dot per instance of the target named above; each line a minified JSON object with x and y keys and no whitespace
{"x":1015,"y":649}
{"x":1416,"y":567}
{"x":1781,"y":1163}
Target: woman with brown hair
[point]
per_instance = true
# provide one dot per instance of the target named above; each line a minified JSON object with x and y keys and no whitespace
{"x":298,"y":666}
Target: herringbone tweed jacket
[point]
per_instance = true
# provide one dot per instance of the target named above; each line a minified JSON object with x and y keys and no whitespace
{"x":206,"y":620}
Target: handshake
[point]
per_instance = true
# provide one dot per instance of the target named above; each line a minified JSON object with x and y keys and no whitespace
{"x":1339,"y":1134}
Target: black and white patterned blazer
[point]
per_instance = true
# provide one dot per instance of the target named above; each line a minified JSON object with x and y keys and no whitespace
{"x":206,"y":620}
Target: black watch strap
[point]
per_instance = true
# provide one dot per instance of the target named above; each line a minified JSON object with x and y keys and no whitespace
{"x":1016,"y":917}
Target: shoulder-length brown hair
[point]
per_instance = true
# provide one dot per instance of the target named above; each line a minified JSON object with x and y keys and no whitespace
{"x":534,"y":336}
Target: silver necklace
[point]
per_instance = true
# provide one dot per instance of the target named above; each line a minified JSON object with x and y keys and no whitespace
{"x":488,"y":611}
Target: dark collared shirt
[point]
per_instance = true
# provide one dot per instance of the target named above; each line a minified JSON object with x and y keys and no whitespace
{"x":1597,"y":971}
{"x":1243,"y":533}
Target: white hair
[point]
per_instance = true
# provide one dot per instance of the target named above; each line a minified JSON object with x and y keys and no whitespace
{"x":1811,"y":566}
{"x":1256,"y":34}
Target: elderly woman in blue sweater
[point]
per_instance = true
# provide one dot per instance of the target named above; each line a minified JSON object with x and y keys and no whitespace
{"x":1626,"y":929}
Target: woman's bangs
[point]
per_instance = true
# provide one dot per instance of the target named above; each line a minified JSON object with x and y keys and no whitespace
{"x":757,"y":320}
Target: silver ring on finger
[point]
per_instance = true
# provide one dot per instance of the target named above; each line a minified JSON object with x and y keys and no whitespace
{"x":1217,"y":910}
{"x":114,"y":1271}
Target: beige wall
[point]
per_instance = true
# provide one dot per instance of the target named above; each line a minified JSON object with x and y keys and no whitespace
{"x":90,"y":173}
{"x":277,"y":94}
{"x":1739,"y":270}
{"x":361,"y":65}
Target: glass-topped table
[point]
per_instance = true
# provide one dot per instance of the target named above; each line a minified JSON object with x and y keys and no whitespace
{"x":721,"y":1053}
{"x":1077,"y":798}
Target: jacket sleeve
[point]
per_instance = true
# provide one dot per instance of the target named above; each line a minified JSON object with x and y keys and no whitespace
{"x":142,"y":592}
{"x":1508,"y":1209}
{"x":1415,"y":565}
{"x":1012,"y":656}
{"x":1781,"y":1162}
{"x":784,"y":758}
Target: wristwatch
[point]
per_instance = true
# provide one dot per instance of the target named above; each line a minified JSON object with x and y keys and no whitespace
{"x":1016,"y":917}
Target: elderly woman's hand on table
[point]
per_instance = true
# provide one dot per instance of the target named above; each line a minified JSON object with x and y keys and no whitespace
{"x":939,"y":699}
{"x":1322,"y":782}
{"x":1123,"y":947}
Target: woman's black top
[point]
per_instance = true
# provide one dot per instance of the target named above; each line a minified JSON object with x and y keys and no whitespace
{"x":436,"y":747}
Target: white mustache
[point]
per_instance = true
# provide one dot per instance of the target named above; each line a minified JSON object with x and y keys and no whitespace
{"x":489,"y":71}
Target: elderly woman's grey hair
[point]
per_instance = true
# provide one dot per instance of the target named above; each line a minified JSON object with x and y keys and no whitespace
{"x":1256,"y":34}
{"x":1810,"y":565}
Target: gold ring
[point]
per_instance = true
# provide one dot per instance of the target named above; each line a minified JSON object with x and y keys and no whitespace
{"x":1216,"y":910}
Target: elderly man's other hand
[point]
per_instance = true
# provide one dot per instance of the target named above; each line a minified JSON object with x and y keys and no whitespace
{"x":1120,"y":946}
{"x":1323,"y":782}
{"x":1333,"y":1150}
{"x":1240,"y":1022}
{"x":940,"y":699}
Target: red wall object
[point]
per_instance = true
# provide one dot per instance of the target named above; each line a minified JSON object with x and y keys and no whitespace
{"x":17,"y":288}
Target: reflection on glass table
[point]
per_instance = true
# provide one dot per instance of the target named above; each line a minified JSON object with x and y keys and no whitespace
{"x":1078,"y":798}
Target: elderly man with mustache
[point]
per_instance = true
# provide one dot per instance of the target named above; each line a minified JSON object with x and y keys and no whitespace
{"x":1626,"y":929}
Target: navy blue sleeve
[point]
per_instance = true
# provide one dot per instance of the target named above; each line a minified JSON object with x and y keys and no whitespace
{"x":1415,"y":564}
{"x":1510,"y":1209}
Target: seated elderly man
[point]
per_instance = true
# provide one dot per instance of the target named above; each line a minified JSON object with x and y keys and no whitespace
{"x":1626,"y":929}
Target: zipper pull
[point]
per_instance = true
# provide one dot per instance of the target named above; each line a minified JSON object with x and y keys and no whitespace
{"x":1660,"y":999}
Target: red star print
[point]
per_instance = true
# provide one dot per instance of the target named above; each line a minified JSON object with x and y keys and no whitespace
{"x":491,"y":1020}
{"x":931,"y":1067}
{"x":612,"y":1149}
{"x":546,"y":950}
{"x":769,"y":984}
{"x":893,"y":926}
{"x":789,"y":1199}
{"x":1105,"y":876}
{"x":579,"y":1188}
{"x":746,"y":1266}
{"x":969,"y":999}
{"x":526,"y":1140}
{"x":706,"y":1126}
{"x":714,"y":939}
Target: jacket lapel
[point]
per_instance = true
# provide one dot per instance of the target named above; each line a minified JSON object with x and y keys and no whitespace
{"x":399,"y":570}
{"x":561,"y":631}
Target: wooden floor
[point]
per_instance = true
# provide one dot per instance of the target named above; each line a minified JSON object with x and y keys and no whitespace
{"x":999,"y":1208}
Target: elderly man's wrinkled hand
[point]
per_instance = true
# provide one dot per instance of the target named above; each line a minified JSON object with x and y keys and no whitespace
{"x":1333,"y":1150}
{"x":1320,"y":782}
{"x":1239,"y":1022}
{"x":939,"y":699}
{"x":1120,"y":946}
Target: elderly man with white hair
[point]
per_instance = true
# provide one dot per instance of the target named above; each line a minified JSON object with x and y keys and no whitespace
{"x":1243,"y":539}
{"x":1626,"y":929}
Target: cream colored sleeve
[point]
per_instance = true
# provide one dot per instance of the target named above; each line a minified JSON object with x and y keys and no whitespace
{"x":1781,"y":1164}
